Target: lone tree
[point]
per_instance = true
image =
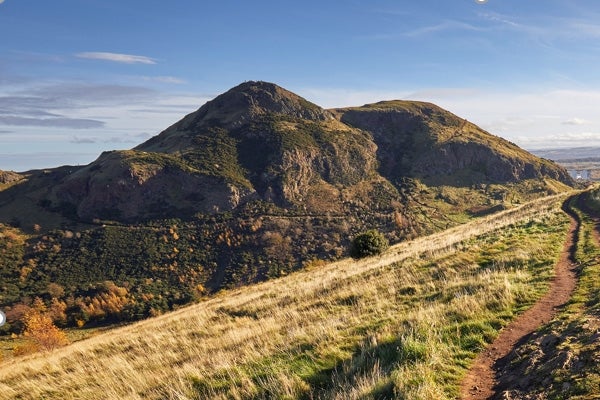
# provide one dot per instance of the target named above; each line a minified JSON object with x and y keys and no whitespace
{"x":369,"y":243}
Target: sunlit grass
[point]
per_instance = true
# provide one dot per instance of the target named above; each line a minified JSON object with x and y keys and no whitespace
{"x":561,"y":360}
{"x":404,"y":325}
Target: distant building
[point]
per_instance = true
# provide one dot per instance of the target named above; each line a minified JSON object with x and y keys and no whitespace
{"x":580,"y":174}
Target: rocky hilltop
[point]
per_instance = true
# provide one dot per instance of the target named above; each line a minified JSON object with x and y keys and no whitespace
{"x":424,"y":141}
{"x":259,"y":141}
{"x":254,"y":184}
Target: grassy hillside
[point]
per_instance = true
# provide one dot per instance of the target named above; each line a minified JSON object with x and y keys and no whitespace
{"x":560,"y":361}
{"x":403,"y":325}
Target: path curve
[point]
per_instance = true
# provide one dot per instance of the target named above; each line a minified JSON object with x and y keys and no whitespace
{"x":481,"y":382}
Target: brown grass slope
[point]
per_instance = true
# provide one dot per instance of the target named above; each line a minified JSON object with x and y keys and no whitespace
{"x":404,"y":325}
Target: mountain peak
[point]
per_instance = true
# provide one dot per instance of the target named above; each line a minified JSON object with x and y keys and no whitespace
{"x":265,"y":97}
{"x":250,"y":99}
{"x":243,"y":104}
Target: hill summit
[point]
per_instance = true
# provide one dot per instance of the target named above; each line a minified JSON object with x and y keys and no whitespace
{"x":259,"y":141}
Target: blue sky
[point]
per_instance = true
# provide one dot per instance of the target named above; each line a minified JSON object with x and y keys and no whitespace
{"x":80,"y":77}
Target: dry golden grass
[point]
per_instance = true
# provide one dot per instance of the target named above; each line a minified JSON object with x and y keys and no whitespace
{"x":404,"y":324}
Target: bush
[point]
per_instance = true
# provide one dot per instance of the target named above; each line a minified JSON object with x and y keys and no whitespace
{"x":368,"y":243}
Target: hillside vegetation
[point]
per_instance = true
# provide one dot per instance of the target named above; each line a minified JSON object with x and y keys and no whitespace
{"x":403,"y":325}
{"x":255,"y":184}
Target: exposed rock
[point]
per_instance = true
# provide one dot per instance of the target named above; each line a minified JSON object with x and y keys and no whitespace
{"x":125,"y":186}
{"x":422,"y":140}
{"x":9,"y":177}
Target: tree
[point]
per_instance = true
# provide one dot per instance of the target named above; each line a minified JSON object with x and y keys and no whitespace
{"x":40,"y":329}
{"x":369,"y":243}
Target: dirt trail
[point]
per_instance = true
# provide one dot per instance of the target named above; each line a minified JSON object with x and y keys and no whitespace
{"x":481,"y":382}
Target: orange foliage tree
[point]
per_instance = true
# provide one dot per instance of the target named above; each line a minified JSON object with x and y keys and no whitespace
{"x":40,"y":330}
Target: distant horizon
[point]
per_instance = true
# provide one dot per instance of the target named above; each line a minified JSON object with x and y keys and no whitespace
{"x":73,"y":85}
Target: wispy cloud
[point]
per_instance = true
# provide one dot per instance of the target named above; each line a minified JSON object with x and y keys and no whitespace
{"x":66,"y":105}
{"x":73,"y":123}
{"x":164,"y":79}
{"x":116,"y":57}
{"x":546,"y":27}
{"x":575,"y":121}
{"x":70,"y":94}
{"x":569,"y":139}
{"x":33,"y":160}
{"x":588,"y":29}
{"x":499,"y":18}
{"x":450,"y":25}
{"x":134,"y":138}
{"x":130,"y":139}
{"x":427,"y":94}
{"x":82,"y":140}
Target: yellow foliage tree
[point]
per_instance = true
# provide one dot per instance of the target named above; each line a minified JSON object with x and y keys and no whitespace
{"x":40,"y":330}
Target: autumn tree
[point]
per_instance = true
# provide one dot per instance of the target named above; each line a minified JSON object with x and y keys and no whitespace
{"x":40,"y":330}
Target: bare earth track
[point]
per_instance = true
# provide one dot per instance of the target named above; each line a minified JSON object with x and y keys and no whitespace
{"x":481,"y":382}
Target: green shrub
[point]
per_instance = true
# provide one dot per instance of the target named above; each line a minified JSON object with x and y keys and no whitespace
{"x":368,"y":243}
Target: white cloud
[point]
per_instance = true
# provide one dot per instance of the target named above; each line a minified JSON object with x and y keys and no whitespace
{"x":575,"y":121}
{"x":39,"y":160}
{"x":337,"y":98}
{"x":164,"y":79}
{"x":569,"y":139}
{"x":57,"y":122}
{"x":502,"y":19}
{"x":82,"y":140}
{"x":546,"y":27}
{"x":591,"y":30}
{"x":117,"y":57}
{"x":436,"y":93}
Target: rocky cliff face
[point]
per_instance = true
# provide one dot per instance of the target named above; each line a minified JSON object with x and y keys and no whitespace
{"x":423,"y":141}
{"x":129,"y":186}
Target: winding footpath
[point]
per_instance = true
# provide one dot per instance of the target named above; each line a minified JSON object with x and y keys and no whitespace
{"x":481,"y":381}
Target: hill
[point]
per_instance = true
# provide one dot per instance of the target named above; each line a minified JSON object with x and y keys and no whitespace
{"x":404,"y":325}
{"x":255,"y":184}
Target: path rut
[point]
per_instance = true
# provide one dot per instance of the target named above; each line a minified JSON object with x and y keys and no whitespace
{"x":481,"y":381}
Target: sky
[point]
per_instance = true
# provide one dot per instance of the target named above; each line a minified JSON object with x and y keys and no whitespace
{"x":78,"y":77}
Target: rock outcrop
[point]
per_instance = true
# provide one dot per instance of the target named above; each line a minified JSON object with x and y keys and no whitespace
{"x":422,"y":140}
{"x":7,"y":177}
